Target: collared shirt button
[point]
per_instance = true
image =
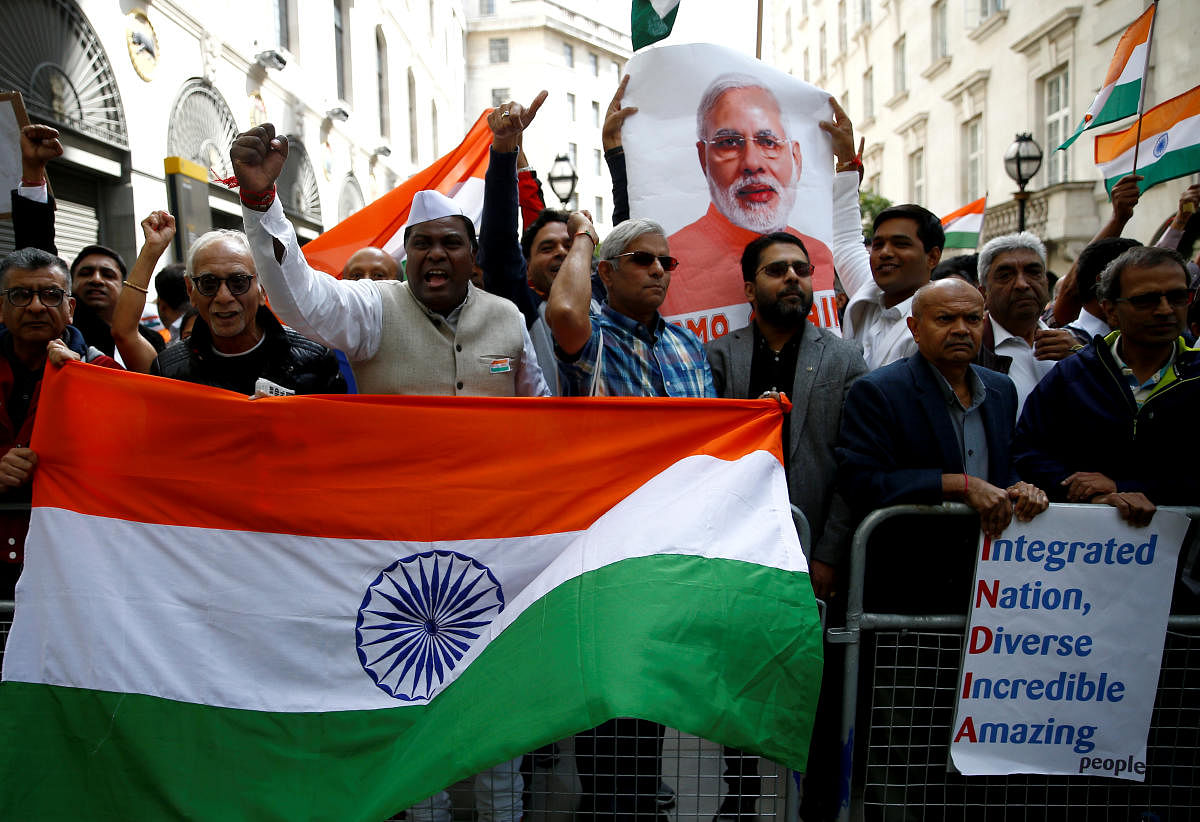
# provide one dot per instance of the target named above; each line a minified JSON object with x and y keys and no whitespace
{"x":459,"y":385}
{"x":458,"y":346}
{"x":12,"y":554}
{"x":12,"y":541}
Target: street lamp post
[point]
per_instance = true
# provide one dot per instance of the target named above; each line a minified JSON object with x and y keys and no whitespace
{"x":1021,"y":162}
{"x":562,"y":178}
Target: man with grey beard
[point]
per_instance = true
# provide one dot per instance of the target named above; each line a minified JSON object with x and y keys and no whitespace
{"x":752,"y":167}
{"x":781,"y":351}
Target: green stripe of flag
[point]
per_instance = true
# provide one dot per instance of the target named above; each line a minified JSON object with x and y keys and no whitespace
{"x":1122,"y":103}
{"x":962,"y":239}
{"x":723,"y":649}
{"x":1171,"y":165}
{"x":647,"y":25}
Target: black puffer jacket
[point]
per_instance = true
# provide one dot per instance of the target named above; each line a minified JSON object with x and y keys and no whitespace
{"x":284,"y":357}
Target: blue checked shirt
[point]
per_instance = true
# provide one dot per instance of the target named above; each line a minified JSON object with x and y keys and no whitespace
{"x":666,"y":362}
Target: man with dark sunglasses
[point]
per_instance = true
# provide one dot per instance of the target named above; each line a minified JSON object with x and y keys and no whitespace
{"x":1115,"y":424}
{"x":35,"y":309}
{"x":626,"y":349}
{"x":236,"y":343}
{"x":781,"y":350}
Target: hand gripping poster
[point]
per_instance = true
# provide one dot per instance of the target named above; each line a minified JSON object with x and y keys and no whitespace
{"x":725,"y":148}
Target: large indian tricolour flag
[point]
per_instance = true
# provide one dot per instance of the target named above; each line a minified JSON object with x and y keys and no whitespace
{"x":1119,"y":95}
{"x":331,"y":607}
{"x":1168,"y":146}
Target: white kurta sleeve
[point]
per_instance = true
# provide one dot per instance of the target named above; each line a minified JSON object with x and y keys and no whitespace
{"x":342,"y":314}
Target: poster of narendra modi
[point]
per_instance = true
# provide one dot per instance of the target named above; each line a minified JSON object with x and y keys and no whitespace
{"x":724,"y":148}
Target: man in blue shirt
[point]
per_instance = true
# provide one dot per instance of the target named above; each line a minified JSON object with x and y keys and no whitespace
{"x":626,"y":349}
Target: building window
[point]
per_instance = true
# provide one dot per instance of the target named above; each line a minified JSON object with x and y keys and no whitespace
{"x":498,"y":50}
{"x":598,"y":157}
{"x":937,"y":25}
{"x":916,"y":176}
{"x":807,"y":73}
{"x":973,"y":159}
{"x":989,"y":7}
{"x":487,"y":7}
{"x":822,"y":51}
{"x":573,"y":154}
{"x":873,"y":183}
{"x":412,"y":117}
{"x":594,"y":64}
{"x":899,"y":67}
{"x":569,"y":55}
{"x":571,"y":106}
{"x":434,"y":125}
{"x":283,"y":34}
{"x":599,"y":215}
{"x":340,"y":49}
{"x":865,"y":12}
{"x":843,"y":35}
{"x":1058,"y":124}
{"x":616,"y":71}
{"x":869,"y":94}
{"x":500,"y":96}
{"x":381,"y":84}
{"x":595,"y":114}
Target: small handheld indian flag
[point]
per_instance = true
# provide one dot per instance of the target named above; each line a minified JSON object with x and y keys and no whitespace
{"x":1121,"y":92}
{"x":333,"y":607}
{"x":963,"y":226}
{"x":1169,"y":145}
{"x":651,"y":21}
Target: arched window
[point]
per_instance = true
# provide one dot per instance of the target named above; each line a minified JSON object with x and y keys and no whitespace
{"x":351,"y":198}
{"x":202,"y":128}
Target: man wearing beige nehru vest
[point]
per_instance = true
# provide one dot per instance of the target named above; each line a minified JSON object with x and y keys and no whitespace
{"x":435,"y":333}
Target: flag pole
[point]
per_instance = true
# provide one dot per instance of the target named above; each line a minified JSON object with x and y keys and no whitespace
{"x":758,"y":40}
{"x":1145,"y":82}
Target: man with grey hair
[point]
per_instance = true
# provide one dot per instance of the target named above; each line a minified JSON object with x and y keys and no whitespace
{"x":1012,"y":276}
{"x":237,"y":343}
{"x":1114,"y":424}
{"x":752,"y":167}
{"x":626,"y":349}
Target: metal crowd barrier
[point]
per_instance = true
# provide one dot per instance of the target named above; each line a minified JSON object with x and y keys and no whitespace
{"x":909,"y":664}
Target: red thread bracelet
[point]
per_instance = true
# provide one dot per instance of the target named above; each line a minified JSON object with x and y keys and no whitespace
{"x":257,"y":199}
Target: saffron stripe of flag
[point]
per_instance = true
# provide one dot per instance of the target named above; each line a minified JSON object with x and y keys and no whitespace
{"x":1169,"y":146}
{"x":457,"y":174}
{"x":651,"y":21}
{"x":183,"y":651}
{"x":1118,"y":97}
{"x":963,"y":226}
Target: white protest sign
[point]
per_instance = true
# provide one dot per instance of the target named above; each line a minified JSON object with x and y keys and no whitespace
{"x":1060,"y":669}
{"x":725,"y":148}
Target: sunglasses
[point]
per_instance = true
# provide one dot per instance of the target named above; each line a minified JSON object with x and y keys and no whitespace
{"x":21,"y":297}
{"x":646,"y":259}
{"x":209,"y":284}
{"x":1176,"y":298}
{"x":779,"y":268}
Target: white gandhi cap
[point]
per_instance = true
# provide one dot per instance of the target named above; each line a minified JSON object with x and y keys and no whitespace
{"x":432,"y":205}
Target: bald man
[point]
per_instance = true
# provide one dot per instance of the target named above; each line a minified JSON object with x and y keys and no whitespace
{"x":935,"y":427}
{"x":372,"y":264}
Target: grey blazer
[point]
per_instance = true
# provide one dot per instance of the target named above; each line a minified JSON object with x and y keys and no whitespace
{"x":826,"y":367}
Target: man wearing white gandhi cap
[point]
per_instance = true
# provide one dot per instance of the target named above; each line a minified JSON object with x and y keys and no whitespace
{"x":434,"y":333}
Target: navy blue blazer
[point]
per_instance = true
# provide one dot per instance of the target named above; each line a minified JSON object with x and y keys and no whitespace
{"x":897,"y":438}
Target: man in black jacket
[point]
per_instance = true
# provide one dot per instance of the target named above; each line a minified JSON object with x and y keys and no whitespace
{"x":237,"y":343}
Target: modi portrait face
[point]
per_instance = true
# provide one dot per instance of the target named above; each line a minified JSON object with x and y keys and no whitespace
{"x":751,"y":165}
